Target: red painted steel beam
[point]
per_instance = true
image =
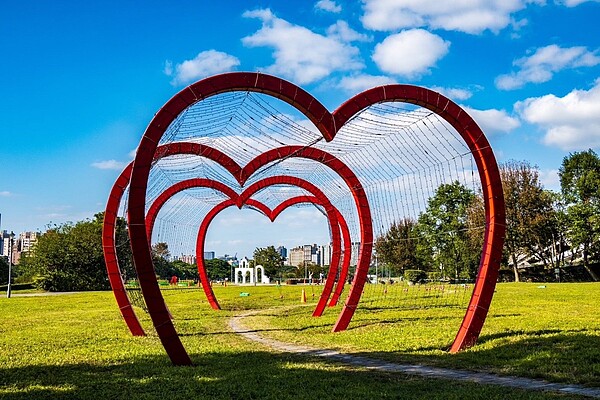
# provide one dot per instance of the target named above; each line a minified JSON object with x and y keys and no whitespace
{"x":362,"y":205}
{"x":272,"y":215}
{"x":490,"y":182}
{"x":111,"y":215}
{"x":110,"y":253}
{"x":333,"y":268}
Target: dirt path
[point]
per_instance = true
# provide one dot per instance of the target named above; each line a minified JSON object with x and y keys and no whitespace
{"x":238,"y":326}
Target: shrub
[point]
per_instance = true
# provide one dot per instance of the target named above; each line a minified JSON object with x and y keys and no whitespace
{"x":415,"y":275}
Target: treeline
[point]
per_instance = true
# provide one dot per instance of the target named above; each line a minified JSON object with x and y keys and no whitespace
{"x":544,"y":228}
{"x":69,"y":257}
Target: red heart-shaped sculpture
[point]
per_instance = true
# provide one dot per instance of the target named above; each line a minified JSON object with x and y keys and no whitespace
{"x":328,"y":124}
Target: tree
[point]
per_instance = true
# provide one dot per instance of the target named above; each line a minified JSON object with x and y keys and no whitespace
{"x":217,"y":269}
{"x":184,"y":270}
{"x":580,"y":185}
{"x":270,"y":259}
{"x":548,"y":241}
{"x":161,"y":249}
{"x":3,"y":270}
{"x":398,"y":247}
{"x":443,"y":227}
{"x":69,"y":257}
{"x":529,"y":211}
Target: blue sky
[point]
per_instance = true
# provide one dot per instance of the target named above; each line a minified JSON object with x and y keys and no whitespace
{"x":81,"y":80}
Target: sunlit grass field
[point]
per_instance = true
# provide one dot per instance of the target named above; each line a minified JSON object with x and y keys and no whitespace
{"x":76,"y":346}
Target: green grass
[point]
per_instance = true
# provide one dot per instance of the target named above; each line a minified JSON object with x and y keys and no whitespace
{"x":77,"y":347}
{"x":551,"y":333}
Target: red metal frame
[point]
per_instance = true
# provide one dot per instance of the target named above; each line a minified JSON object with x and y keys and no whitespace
{"x":272,"y":215}
{"x":110,"y":253}
{"x":328,"y":124}
{"x":490,"y":183}
{"x":333,"y":269}
{"x":318,"y":198}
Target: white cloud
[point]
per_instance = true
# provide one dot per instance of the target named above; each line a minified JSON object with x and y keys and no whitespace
{"x":575,"y":3}
{"x":493,"y":121}
{"x":110,"y":164}
{"x":168,"y":69}
{"x":571,"y":122}
{"x":328,"y":5}
{"x":344,"y":33}
{"x":206,"y":63}
{"x":5,"y":193}
{"x":454,"y":94}
{"x":544,"y":62}
{"x":301,"y":54}
{"x":361,"y":82}
{"x":410,"y":53}
{"x":550,"y":179}
{"x":470,"y":16}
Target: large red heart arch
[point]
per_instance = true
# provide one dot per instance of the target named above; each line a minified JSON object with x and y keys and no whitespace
{"x":328,"y":124}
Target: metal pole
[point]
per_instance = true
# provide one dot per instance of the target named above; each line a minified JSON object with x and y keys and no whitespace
{"x":376,"y":278}
{"x":10,"y":245}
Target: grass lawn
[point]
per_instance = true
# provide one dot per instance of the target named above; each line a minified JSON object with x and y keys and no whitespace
{"x":77,"y":347}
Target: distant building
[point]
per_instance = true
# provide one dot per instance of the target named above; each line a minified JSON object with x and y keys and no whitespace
{"x":188,"y":258}
{"x":296,"y":257}
{"x":209,"y":255}
{"x":23,"y":244}
{"x":231,"y":260}
{"x":355,"y":253}
{"x":325,"y":253}
{"x":4,"y":243}
{"x":301,"y":255}
{"x":282,"y":251}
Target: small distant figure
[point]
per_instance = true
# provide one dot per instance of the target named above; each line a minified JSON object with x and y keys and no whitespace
{"x":320,"y":277}
{"x":310,"y":275}
{"x":174,"y":280}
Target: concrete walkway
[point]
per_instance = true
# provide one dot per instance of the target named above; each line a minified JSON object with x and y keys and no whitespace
{"x":237,"y":325}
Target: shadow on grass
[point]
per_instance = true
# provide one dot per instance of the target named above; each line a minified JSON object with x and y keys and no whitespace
{"x":241,"y":375}
{"x":553,"y":355}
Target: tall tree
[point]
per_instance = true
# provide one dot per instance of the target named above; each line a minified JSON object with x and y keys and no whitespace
{"x":161,"y":249}
{"x":398,"y":246}
{"x":444,"y":228}
{"x":580,"y":186}
{"x":69,"y":257}
{"x":217,"y":269}
{"x":528,"y":211}
{"x":270,"y":259}
{"x":548,"y":230}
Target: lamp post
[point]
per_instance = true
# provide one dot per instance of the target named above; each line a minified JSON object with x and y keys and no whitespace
{"x":10,"y":251}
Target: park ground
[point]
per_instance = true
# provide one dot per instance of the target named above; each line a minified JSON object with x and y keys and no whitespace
{"x":76,"y":346}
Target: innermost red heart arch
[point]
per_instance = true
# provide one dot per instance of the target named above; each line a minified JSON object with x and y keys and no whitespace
{"x":328,"y":124}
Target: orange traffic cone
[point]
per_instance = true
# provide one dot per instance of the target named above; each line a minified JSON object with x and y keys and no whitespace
{"x":303,"y":298}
